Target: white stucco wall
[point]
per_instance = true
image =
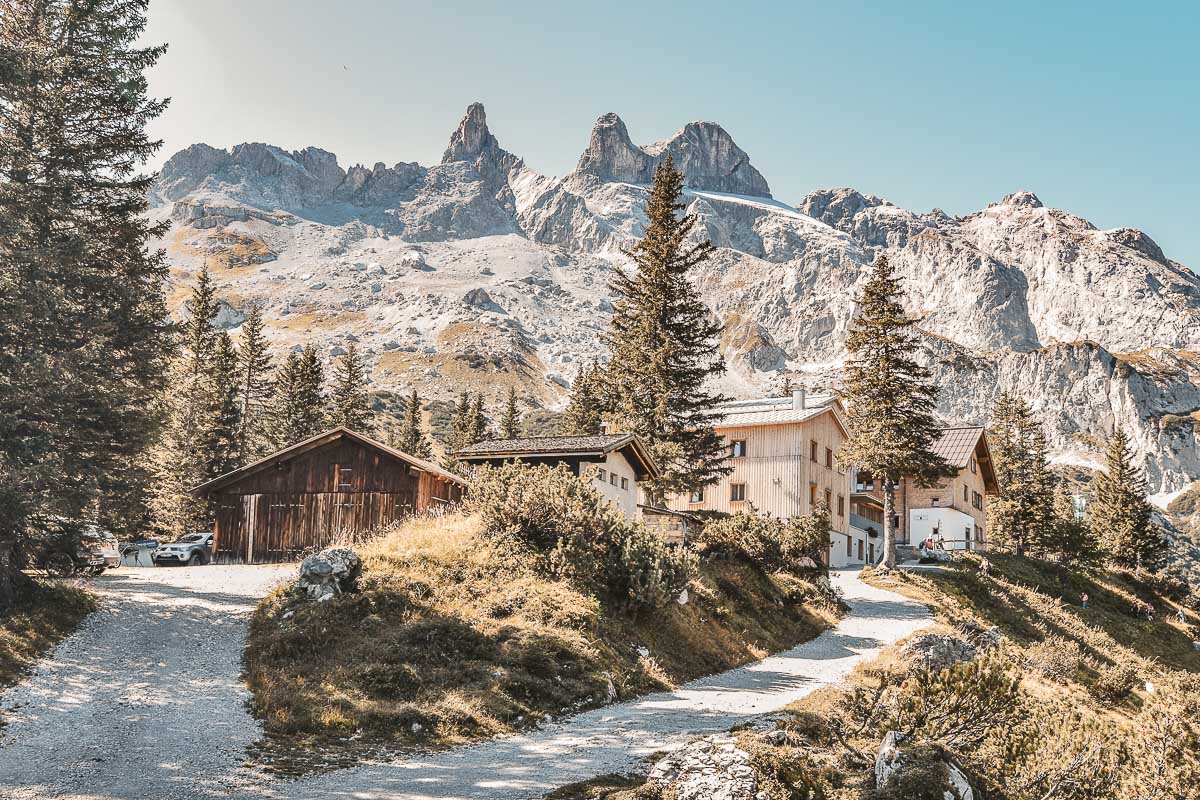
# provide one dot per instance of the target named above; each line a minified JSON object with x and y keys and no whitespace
{"x":624,"y":494}
{"x":858,"y":537}
{"x":948,"y":523}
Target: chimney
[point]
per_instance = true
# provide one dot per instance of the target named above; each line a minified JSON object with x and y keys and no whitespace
{"x":797,"y":399}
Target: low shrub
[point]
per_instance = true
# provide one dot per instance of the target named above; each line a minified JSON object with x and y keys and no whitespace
{"x":572,"y":532}
{"x":1113,"y":684}
{"x":1055,"y":658}
{"x":958,"y":706}
{"x":769,"y":542}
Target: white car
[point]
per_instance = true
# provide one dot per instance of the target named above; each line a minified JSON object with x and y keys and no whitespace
{"x":192,"y":549}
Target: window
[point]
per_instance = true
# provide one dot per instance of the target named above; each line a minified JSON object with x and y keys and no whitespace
{"x":624,"y":483}
{"x":829,"y":458}
{"x":602,"y":475}
{"x":841,"y":505}
{"x":737,"y":448}
{"x":849,"y":544}
{"x":974,"y":466}
{"x":977,"y":500}
{"x":612,"y":478}
{"x":828,"y":499}
{"x":812,"y":450}
{"x":737,"y":492}
{"x":812,"y":496}
{"x":697,"y":496}
{"x":966,"y":489}
{"x":935,"y":501}
{"x":860,"y":550}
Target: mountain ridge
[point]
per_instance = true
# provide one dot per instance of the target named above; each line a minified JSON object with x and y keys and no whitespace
{"x":1097,"y":327}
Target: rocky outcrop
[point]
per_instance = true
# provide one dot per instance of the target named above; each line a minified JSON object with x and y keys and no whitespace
{"x":935,"y":652}
{"x":712,"y":768}
{"x":910,"y":771}
{"x":703,"y":151}
{"x":331,"y":572}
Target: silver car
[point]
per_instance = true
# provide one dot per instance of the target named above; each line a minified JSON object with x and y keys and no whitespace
{"x":192,"y":549}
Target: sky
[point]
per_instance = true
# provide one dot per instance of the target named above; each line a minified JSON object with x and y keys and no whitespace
{"x":1094,"y":106}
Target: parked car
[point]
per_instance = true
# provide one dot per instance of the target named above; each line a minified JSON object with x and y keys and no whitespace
{"x":192,"y":549}
{"x":60,"y":548}
{"x":99,"y":541}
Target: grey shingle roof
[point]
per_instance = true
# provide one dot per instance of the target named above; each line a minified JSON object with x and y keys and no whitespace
{"x":957,"y":445}
{"x":546,"y":444}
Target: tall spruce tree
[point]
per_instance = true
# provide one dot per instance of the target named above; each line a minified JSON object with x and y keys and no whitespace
{"x":349,"y":402}
{"x":1021,"y":515}
{"x":299,"y":405}
{"x":192,"y":442}
{"x":664,"y":346}
{"x":1073,"y":541}
{"x":585,"y":412}
{"x":461,"y":430}
{"x":224,"y":417}
{"x":84,"y":338}
{"x":1120,"y":515}
{"x":478,"y":424}
{"x":510,"y":420}
{"x":889,"y":398}
{"x":254,"y":378}
{"x":411,"y":438}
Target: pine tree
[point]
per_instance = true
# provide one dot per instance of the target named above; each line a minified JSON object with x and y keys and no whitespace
{"x":350,"y":404}
{"x":478,"y":424}
{"x":1073,"y":541}
{"x":1021,"y":515}
{"x":192,"y":449}
{"x":889,"y":397}
{"x":224,"y":419}
{"x":664,"y":346}
{"x":585,"y":413}
{"x":411,"y":438}
{"x":254,"y":377}
{"x":461,"y":430}
{"x":1120,"y":515}
{"x":510,"y":420}
{"x":298,"y":412}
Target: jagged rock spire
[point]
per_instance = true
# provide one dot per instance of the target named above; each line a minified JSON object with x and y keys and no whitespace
{"x":471,"y":138}
{"x":612,"y":156}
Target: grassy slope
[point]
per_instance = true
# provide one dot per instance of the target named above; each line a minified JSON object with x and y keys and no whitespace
{"x":450,"y":640}
{"x":43,"y":616}
{"x":1028,"y":600}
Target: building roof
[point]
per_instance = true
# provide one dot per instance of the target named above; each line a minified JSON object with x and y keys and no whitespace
{"x":320,"y":440}
{"x":957,"y":445}
{"x":563,"y":446}
{"x":775,"y":411}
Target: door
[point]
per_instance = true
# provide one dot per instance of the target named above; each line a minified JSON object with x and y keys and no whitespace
{"x":250,"y":520}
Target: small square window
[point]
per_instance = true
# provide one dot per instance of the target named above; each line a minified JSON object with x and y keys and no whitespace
{"x":697,"y":496}
{"x":624,"y":483}
{"x":737,"y":492}
{"x":935,"y":501}
{"x":737,"y":448}
{"x":612,"y":478}
{"x":602,"y":475}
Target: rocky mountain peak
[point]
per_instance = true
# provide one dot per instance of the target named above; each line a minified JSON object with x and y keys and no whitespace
{"x":612,"y":156}
{"x":703,"y":151}
{"x":1022,"y":198}
{"x":471,"y":138}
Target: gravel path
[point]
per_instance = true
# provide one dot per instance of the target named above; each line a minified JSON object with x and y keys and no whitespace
{"x":144,"y":702}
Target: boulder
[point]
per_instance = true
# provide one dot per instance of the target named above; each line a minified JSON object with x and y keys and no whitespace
{"x":907,"y":770}
{"x":331,"y":572}
{"x":938,"y":651}
{"x":712,"y":768}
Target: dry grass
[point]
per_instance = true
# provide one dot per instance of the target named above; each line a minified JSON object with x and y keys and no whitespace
{"x":451,"y":640}
{"x":44,"y":614}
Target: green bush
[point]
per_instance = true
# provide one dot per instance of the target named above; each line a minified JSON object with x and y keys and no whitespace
{"x":769,"y":542}
{"x":1113,"y":684}
{"x":573,"y":532}
{"x":1055,"y":658}
{"x":956,"y":707}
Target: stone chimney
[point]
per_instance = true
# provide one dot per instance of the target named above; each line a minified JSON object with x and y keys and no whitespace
{"x":797,"y":399}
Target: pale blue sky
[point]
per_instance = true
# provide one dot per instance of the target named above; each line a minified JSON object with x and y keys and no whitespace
{"x":1095,"y":106}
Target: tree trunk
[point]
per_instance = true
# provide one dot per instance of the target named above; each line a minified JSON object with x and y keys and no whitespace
{"x":8,"y":569}
{"x":889,"y":525}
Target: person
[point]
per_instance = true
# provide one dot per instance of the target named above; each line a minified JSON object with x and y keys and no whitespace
{"x":1083,"y":599}
{"x":1182,"y":617}
{"x":1149,"y":609}
{"x":985,"y":567}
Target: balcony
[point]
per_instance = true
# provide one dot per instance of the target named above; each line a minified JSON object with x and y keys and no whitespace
{"x":864,"y":524}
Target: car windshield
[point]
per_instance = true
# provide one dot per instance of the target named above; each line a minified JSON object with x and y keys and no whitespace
{"x":191,"y":537}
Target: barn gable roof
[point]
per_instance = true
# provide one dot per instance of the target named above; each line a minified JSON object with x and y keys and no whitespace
{"x":320,"y":440}
{"x":629,"y":444}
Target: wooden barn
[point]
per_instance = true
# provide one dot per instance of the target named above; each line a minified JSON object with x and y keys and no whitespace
{"x":302,"y":497}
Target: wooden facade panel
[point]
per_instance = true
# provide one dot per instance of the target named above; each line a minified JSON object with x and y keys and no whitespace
{"x":343,"y":466}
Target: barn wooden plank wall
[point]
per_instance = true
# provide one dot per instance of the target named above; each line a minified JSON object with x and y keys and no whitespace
{"x":307,"y":502}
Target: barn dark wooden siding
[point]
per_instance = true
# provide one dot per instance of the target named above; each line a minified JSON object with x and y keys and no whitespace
{"x":305,"y":502}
